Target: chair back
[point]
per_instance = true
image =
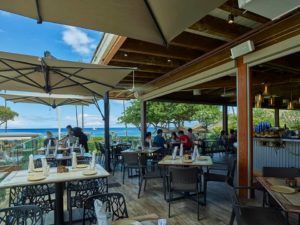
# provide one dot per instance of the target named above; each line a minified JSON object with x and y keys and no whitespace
{"x":234,"y":200}
{"x":101,"y":147}
{"x":281,"y":172}
{"x":97,"y":146}
{"x":130,"y":158}
{"x":184,"y":178}
{"x":115,"y":204}
{"x":21,"y":215}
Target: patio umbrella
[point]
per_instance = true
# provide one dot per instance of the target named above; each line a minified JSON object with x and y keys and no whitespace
{"x":199,"y":129}
{"x":47,"y":74}
{"x":153,"y":21}
{"x":52,"y":100}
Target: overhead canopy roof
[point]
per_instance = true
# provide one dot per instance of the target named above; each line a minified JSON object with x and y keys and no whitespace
{"x":33,"y":74}
{"x":49,"y":100}
{"x":153,"y":21}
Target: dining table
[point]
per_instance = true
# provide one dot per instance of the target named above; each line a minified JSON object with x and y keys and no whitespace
{"x":21,"y":178}
{"x":289,"y":202}
{"x":146,"y":150}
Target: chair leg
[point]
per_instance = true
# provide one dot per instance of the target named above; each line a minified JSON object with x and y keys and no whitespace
{"x":170,"y":198}
{"x":232,"y":218}
{"x":198,"y":206}
{"x":145,"y":184}
{"x":286,"y":218}
{"x":264,"y":199}
{"x":140,"y":186}
{"x":205,"y":191}
{"x":124,"y":173}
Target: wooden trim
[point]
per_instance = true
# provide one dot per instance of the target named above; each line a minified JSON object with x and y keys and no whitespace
{"x":114,"y":49}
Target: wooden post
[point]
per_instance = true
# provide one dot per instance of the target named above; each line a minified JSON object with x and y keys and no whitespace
{"x":106,"y":131}
{"x":225,"y":118}
{"x":143,"y":120}
{"x":276,"y":118}
{"x":244,"y":131}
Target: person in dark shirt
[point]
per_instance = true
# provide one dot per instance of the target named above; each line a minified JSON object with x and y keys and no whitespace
{"x":49,"y":138}
{"x":148,"y":139}
{"x":82,"y":138}
{"x":159,"y":140}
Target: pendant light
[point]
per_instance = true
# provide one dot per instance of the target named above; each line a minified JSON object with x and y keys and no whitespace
{"x":258,"y":100}
{"x":271,"y":101}
{"x":266,"y":92}
{"x":290,"y":104}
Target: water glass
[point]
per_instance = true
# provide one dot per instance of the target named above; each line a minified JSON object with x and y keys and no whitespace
{"x":162,"y":222}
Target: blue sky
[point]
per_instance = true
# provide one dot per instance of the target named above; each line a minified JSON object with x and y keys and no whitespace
{"x":23,"y":35}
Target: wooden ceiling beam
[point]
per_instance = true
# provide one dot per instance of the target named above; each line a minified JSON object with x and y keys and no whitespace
{"x":219,"y":28}
{"x":196,"y":42}
{"x":143,"y":68}
{"x":139,"y":59}
{"x":171,"y":52}
{"x":232,"y":7}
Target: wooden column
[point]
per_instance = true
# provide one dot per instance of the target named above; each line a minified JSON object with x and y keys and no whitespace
{"x":225,"y":118}
{"x":244,"y":131}
{"x":276,"y":118}
{"x":143,"y":120}
{"x":106,"y":131}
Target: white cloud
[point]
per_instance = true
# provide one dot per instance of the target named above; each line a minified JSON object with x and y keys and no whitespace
{"x":78,"y":40}
{"x":31,"y":122}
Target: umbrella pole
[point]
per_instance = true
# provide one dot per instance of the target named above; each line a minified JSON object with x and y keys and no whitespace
{"x":106,"y":132}
{"x":126,"y":132}
{"x":82,"y":117}
{"x":76,"y":115}
{"x":58,"y":122}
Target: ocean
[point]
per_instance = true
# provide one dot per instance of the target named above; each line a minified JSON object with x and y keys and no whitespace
{"x":120,"y":131}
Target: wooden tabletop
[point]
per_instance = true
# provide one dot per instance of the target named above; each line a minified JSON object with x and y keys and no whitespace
{"x":19,"y":178}
{"x":288,"y":202}
{"x":143,"y":151}
{"x":201,"y":161}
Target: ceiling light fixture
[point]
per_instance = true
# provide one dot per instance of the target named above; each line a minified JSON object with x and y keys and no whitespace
{"x":125,"y":54}
{"x":230,"y":18}
{"x":169,"y":60}
{"x":266,"y":92}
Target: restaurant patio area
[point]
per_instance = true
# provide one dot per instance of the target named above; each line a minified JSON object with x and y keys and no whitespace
{"x":236,"y":54}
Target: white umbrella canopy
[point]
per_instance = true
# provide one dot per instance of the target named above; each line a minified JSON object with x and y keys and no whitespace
{"x":156,"y":21}
{"x":48,"y":99}
{"x":33,"y":74}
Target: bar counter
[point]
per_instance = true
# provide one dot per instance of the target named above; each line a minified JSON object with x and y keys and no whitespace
{"x":275,"y":152}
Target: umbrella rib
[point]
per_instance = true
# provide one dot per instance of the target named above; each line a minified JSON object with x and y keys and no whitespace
{"x":37,"y":4}
{"x":17,"y":61}
{"x":65,"y":78}
{"x":98,"y":107}
{"x":83,"y":78}
{"x":17,"y":80}
{"x":156,"y":22}
{"x":20,"y":73}
{"x":70,"y":85}
{"x":46,"y":71}
{"x":43,"y":101}
{"x":81,"y":85}
{"x":20,"y":69}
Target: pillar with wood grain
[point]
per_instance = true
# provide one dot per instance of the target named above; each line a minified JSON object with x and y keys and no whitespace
{"x":143,"y":120}
{"x":106,"y":131}
{"x":244,"y":131}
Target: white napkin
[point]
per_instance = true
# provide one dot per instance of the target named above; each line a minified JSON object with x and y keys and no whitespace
{"x":174,"y":153}
{"x":93,"y":162}
{"x":72,"y":149}
{"x":82,"y":150}
{"x":194,"y":155}
{"x":74,"y":160}
{"x":30,"y":163}
{"x":55,"y":151}
{"x":181,"y":150}
{"x":68,"y":143}
{"x":197,"y":152}
{"x":44,"y":165}
{"x":150,"y":144}
{"x":100,"y":212}
{"x":48,"y":148}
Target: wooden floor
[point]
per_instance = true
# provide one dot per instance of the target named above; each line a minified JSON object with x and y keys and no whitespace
{"x":183,"y":212}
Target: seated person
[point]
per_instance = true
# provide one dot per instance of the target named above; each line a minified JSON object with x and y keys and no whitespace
{"x":159,"y":140}
{"x":49,"y":139}
{"x":185,"y":140}
{"x":148,"y":139}
{"x":70,"y":139}
{"x":223,"y":140}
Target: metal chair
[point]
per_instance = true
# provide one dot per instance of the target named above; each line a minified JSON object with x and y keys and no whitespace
{"x":21,"y":215}
{"x":39,"y":195}
{"x":146,"y":174}
{"x":115,"y":204}
{"x":78,"y":191}
{"x":131,"y":162}
{"x":100,"y":149}
{"x":117,"y":156}
{"x":251,"y":215}
{"x":184,"y":180}
{"x":227,"y":172}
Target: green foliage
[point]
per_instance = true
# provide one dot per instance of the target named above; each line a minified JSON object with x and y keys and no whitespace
{"x":6,"y":114}
{"x":263,"y":115}
{"x":291,"y":118}
{"x":162,"y":114}
{"x":207,"y":114}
